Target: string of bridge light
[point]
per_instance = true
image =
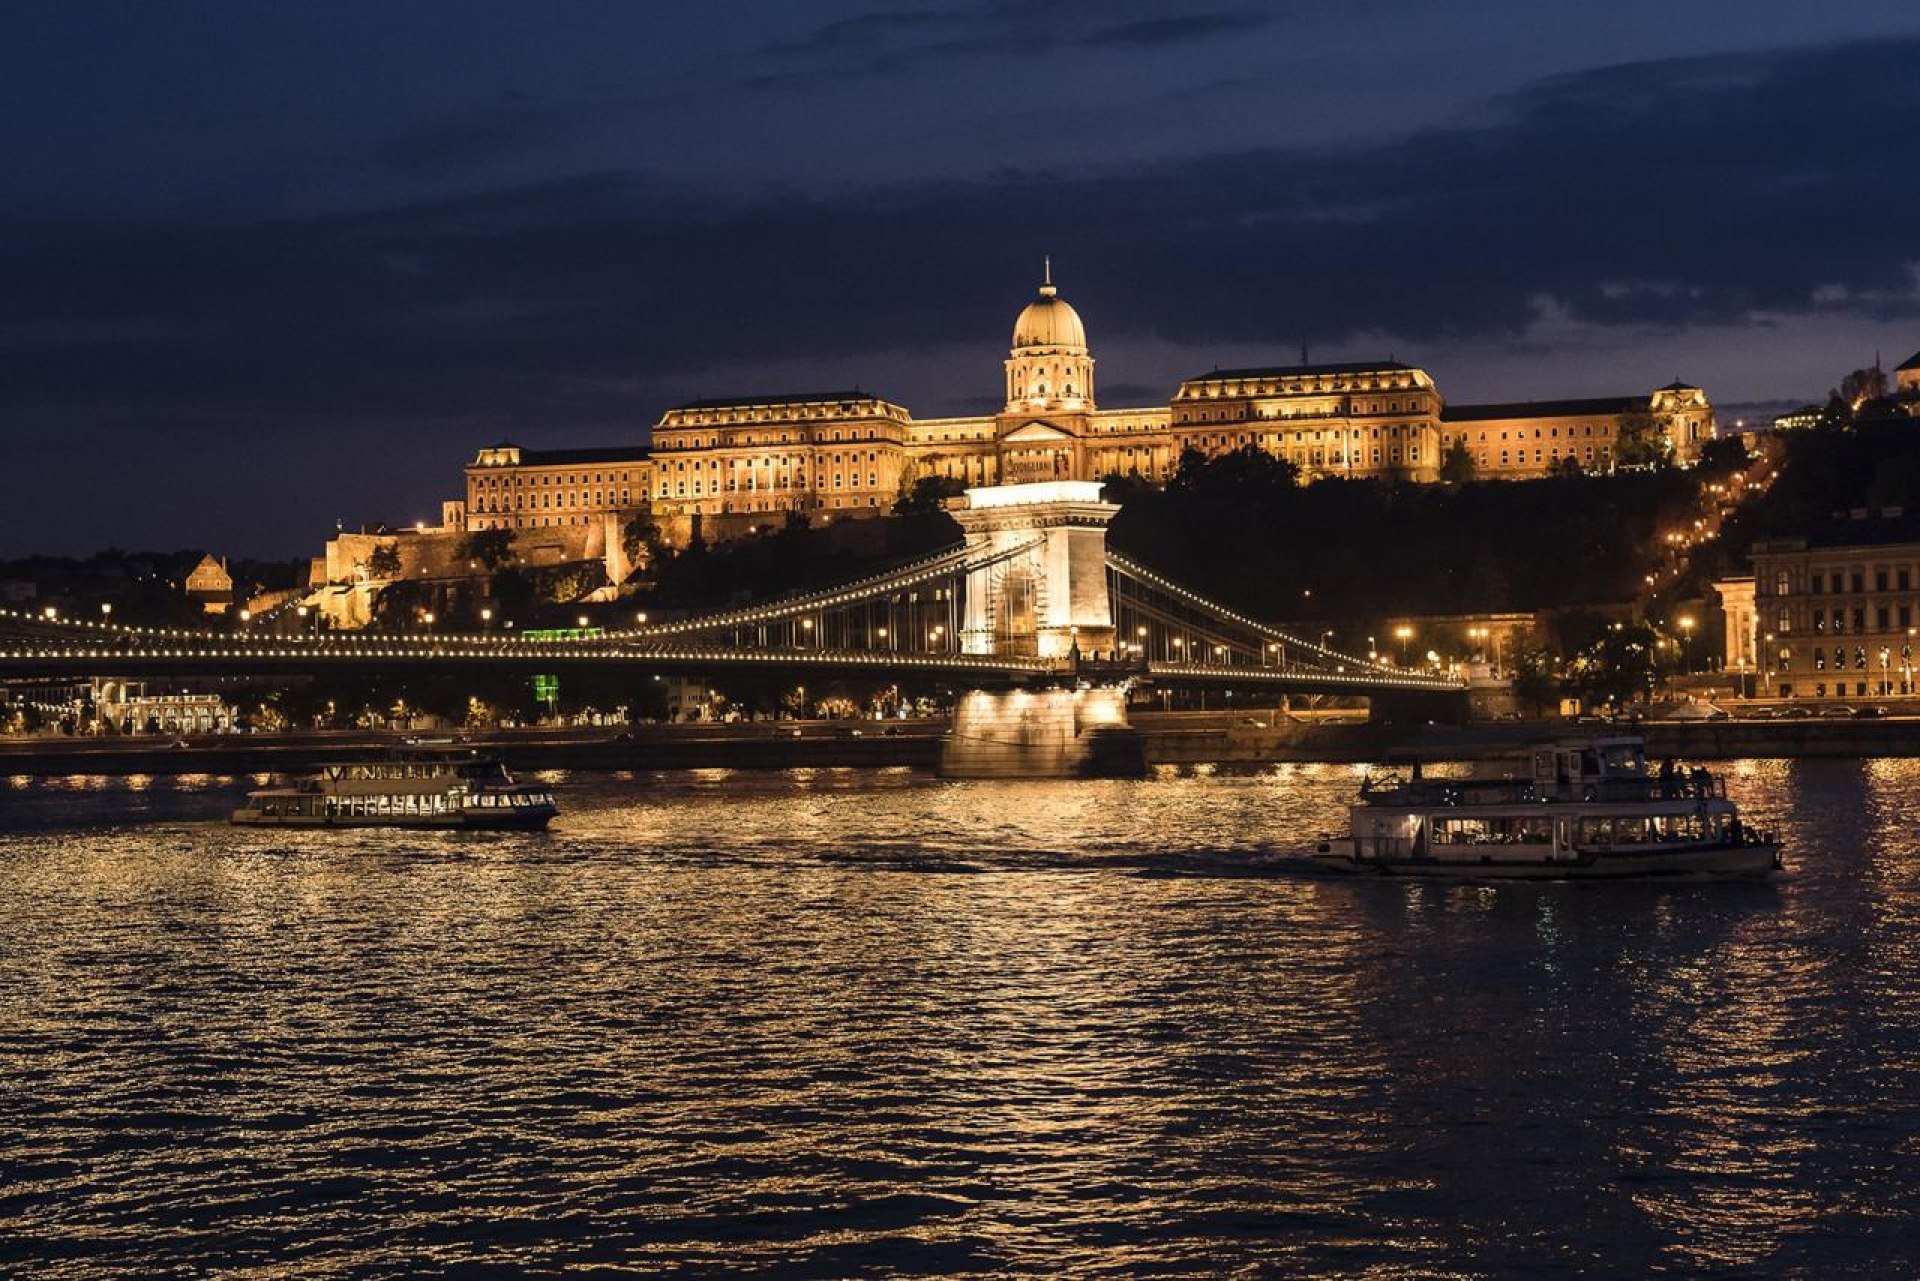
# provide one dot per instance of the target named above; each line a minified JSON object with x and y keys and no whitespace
{"x":823,"y":657}
{"x":1276,"y":675}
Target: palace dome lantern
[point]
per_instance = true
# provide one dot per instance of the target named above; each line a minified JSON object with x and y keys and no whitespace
{"x":1049,"y":321}
{"x":1049,"y":368}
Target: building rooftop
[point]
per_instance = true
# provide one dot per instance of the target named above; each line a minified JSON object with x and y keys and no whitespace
{"x":1861,"y":527}
{"x":573,"y":457}
{"x":1299,"y":371}
{"x":780,"y":398}
{"x":1912,"y":362}
{"x":1543,"y":409}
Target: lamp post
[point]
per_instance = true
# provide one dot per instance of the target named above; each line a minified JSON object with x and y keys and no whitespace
{"x":106,"y":611}
{"x":1403,"y":634}
{"x":1886,"y":680}
{"x":486,"y":620}
{"x":1686,"y":635}
{"x":1766,"y":666}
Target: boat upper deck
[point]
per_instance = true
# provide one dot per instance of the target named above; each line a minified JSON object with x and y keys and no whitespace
{"x":1609,"y":770}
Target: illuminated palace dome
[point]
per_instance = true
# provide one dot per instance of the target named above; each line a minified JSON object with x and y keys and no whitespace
{"x":1049,"y":320}
{"x":1050,"y":370}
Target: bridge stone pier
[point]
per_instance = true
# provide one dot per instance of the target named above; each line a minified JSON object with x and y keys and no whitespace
{"x":1040,"y":590}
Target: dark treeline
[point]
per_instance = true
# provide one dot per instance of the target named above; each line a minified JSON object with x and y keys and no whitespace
{"x":1239,"y":527}
{"x":143,"y":587}
{"x":1830,"y":471}
{"x":794,"y":559}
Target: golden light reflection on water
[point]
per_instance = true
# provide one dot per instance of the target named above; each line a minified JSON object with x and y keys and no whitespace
{"x":818,"y":1019}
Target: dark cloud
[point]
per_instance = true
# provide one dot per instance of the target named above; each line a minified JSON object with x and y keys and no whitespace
{"x":1153,"y":33}
{"x":473,"y":139}
{"x":1678,"y":194}
{"x":886,"y":42}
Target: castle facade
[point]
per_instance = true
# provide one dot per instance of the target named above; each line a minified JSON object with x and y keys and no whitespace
{"x":726,"y":467}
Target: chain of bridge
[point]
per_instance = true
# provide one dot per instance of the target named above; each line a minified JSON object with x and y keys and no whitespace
{"x":907,"y":619}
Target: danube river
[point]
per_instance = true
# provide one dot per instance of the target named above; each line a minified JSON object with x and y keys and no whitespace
{"x":842,"y":1022}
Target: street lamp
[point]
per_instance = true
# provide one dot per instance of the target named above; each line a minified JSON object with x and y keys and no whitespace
{"x":106,"y":611}
{"x":1403,"y":634}
{"x":486,"y":620}
{"x":1686,"y":634}
{"x":582,"y":621}
{"x":641,"y":618}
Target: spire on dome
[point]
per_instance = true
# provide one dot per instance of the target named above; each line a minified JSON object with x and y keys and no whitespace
{"x":1046,"y":277}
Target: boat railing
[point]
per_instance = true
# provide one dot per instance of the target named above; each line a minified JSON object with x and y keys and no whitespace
{"x":1692,"y":784}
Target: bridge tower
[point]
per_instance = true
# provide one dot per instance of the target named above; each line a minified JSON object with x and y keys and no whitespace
{"x":1043,"y":592}
{"x":1040,"y":591}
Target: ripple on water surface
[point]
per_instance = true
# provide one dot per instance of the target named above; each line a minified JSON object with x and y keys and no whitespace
{"x":844,"y":1021}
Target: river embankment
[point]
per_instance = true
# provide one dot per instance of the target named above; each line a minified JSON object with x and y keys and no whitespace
{"x":1170,"y":738}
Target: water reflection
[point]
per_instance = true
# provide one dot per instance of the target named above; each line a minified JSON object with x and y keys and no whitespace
{"x":839,"y":1020}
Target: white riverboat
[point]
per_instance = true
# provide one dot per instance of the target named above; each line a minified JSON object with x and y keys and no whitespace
{"x":1589,"y":808}
{"x":447,"y":788}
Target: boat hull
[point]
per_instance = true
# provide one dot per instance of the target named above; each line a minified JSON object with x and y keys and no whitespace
{"x":1736,"y":862}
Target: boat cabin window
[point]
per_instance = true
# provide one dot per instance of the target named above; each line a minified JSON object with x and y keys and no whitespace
{"x":1658,"y":829}
{"x":1623,"y":759}
{"x":1493,"y":830}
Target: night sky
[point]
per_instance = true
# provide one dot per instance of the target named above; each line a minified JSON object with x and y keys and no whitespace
{"x":265,"y":267}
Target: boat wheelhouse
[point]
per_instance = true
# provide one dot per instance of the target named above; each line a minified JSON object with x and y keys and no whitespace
{"x":452,"y":788}
{"x":1577,"y":808}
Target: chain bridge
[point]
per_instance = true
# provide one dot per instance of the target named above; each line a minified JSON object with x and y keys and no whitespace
{"x":1031,"y":600}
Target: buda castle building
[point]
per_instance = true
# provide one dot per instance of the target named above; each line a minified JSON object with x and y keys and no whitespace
{"x":726,"y":467}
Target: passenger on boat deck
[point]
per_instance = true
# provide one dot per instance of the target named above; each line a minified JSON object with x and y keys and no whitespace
{"x":1666,"y":779}
{"x":1702,"y":781}
{"x":1734,"y":834}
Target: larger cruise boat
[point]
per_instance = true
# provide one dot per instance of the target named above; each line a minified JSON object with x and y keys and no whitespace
{"x":1581,"y":809}
{"x":446,"y":787}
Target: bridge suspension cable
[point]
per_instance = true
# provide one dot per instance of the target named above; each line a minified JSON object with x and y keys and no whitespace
{"x":1161,"y":599}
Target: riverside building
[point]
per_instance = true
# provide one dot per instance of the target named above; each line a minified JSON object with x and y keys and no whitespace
{"x":1838,"y":611}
